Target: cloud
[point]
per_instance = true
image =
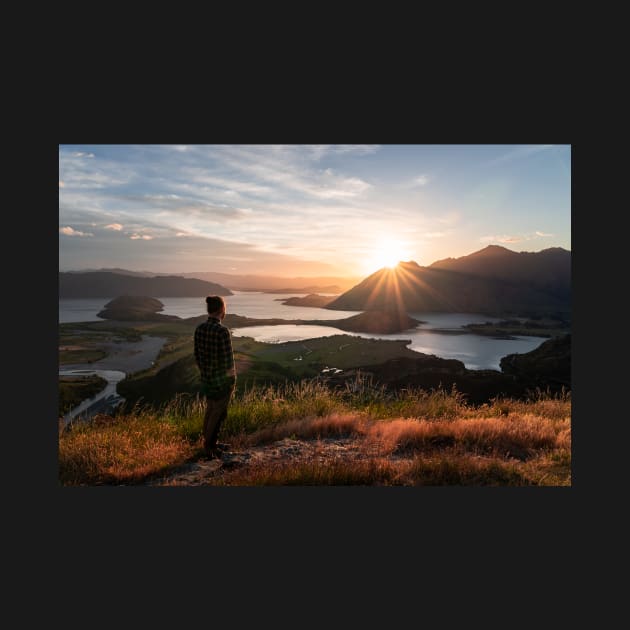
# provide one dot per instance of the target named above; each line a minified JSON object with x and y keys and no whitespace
{"x":421,"y":180}
{"x":144,"y":237}
{"x":434,"y":234}
{"x":201,"y":177}
{"x":543,"y":234}
{"x":68,"y":231}
{"x":505,"y":238}
{"x":114,"y":226}
{"x":292,"y":169}
{"x":359,"y":149}
{"x":82,"y":154}
{"x":520,"y":153}
{"x":61,"y":184}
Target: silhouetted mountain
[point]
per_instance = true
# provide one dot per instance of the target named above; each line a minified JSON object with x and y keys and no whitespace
{"x":270,"y":284}
{"x":494,"y":280}
{"x":548,"y":270}
{"x":106,"y":284}
{"x":124,"y":272}
{"x":274,"y":284}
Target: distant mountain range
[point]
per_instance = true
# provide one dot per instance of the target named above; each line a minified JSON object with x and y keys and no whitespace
{"x":494,"y":280}
{"x":105,"y":284}
{"x":276,"y":284}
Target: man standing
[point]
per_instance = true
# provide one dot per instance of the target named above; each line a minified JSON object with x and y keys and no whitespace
{"x":215,"y":359}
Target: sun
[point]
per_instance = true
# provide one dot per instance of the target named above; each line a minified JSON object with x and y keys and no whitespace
{"x":386,"y":259}
{"x":388,"y":253}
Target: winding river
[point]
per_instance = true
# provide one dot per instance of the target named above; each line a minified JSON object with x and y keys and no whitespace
{"x":124,"y":358}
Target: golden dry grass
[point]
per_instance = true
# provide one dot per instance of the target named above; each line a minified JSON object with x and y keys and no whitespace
{"x":127,"y":450}
{"x":415,"y":438}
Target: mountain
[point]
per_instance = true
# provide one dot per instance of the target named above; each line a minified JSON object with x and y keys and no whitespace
{"x":549,"y":269}
{"x":324,"y":284}
{"x":103,"y":284}
{"x":135,"y":308}
{"x":493,"y":280}
{"x":124,"y":272}
{"x":270,"y":284}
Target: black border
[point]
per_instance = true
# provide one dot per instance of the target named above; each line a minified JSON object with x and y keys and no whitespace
{"x":339,"y":528}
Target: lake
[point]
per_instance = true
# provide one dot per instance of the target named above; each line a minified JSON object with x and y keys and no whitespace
{"x":475,"y":351}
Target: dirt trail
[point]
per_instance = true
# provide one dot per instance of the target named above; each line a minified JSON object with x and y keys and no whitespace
{"x":285,"y":451}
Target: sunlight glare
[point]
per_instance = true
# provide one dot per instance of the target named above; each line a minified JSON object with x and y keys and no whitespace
{"x":388,"y":253}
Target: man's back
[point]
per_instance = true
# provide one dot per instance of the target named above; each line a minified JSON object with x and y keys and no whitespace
{"x":214,"y":355}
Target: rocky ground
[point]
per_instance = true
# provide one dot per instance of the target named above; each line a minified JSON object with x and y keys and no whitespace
{"x":285,"y":451}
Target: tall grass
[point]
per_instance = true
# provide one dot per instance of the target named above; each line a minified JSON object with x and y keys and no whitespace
{"x":413,"y":425}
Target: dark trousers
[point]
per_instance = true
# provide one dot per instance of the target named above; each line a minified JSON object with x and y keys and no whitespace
{"x":216,"y":413}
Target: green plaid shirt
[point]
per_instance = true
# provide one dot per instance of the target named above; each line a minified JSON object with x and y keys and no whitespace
{"x":214,"y":356}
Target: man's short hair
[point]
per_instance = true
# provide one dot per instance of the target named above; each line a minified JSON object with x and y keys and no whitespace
{"x":215,"y":303}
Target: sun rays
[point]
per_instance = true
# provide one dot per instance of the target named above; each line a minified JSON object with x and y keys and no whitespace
{"x":402,"y":290}
{"x":386,"y":254}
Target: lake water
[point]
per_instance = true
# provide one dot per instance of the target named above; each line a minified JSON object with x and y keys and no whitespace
{"x":475,"y":351}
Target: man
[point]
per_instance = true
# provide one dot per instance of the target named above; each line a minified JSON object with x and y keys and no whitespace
{"x":215,"y":359}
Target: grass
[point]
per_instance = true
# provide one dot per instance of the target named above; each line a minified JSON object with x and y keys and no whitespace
{"x":412,"y":437}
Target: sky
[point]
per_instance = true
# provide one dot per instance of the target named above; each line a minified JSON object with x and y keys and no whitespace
{"x":306,"y":210}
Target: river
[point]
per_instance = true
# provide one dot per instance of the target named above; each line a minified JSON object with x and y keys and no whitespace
{"x":125,"y":357}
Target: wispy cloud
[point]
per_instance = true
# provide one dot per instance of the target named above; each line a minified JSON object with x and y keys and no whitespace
{"x":434,"y":234}
{"x":61,"y":184}
{"x":519,"y":153}
{"x":68,"y":231}
{"x":421,"y":180}
{"x":114,"y":226}
{"x":505,"y":238}
{"x":294,"y":171}
{"x":144,"y":237}
{"x":543,"y":234}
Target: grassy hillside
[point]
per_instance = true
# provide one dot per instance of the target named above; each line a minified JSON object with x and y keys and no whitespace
{"x":304,"y":434}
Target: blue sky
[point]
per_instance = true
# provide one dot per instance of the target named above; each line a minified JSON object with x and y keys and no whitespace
{"x":306,"y":210}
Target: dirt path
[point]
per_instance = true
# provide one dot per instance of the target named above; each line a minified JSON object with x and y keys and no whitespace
{"x":285,"y":451}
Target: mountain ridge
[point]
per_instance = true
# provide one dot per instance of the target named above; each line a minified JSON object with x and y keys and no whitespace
{"x":492,"y":280}
{"x":106,"y":284}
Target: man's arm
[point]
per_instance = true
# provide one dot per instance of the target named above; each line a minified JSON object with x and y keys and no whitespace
{"x":227,"y":356}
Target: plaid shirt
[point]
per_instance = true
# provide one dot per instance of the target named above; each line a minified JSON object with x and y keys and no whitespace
{"x":214,"y":356}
